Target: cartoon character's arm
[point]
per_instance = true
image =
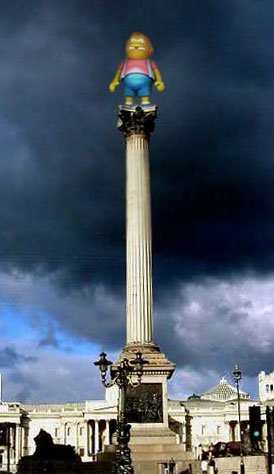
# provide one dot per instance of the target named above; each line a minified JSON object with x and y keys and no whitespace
{"x":116,"y":80}
{"x":159,"y":81}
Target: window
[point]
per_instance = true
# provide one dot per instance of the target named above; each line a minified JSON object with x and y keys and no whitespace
{"x":68,"y":431}
{"x":271,"y":388}
{"x":56,"y":433}
{"x":267,"y":388}
{"x":203,"y":429}
{"x":81,"y":451}
{"x":81,"y":431}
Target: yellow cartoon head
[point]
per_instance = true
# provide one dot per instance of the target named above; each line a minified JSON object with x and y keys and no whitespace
{"x":138,"y":46}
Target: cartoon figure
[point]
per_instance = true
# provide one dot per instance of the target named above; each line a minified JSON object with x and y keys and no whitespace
{"x":138,"y":72}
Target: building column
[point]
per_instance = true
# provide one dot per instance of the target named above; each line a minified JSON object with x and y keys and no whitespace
{"x":91,"y":435}
{"x":77,"y":436}
{"x":96,"y":436}
{"x":232,"y":434}
{"x":107,"y":437}
{"x":183,"y":433}
{"x":24,"y":441}
{"x":64,"y":433}
{"x":137,"y":126}
{"x":18,"y":436}
{"x":86,"y":454}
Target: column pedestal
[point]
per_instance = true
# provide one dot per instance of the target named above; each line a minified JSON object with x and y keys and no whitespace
{"x":151,"y":395}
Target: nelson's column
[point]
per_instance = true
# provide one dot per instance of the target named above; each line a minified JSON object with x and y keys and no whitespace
{"x":147,"y":409}
{"x":148,"y":402}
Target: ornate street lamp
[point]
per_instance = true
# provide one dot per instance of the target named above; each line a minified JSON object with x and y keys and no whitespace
{"x":128,"y":373}
{"x":237,"y":377}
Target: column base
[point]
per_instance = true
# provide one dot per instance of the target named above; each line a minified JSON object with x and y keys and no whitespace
{"x":158,"y":362}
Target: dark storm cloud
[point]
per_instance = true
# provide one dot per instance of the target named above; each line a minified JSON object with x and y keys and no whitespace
{"x":62,"y":179}
{"x":57,"y":184}
{"x":9,"y":357}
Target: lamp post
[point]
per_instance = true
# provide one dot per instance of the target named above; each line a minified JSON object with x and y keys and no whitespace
{"x":237,"y":377}
{"x":128,"y":373}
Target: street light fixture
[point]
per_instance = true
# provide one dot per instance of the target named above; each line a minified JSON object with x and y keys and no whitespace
{"x":128,"y":373}
{"x":237,"y":377}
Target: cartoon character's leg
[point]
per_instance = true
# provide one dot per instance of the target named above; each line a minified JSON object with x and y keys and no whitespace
{"x":145,"y":91}
{"x":129,"y":91}
{"x":145,"y":100}
{"x":129,"y":100}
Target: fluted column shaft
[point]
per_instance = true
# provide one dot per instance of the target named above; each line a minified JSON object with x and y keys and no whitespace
{"x":139,"y":257}
{"x":137,"y":124}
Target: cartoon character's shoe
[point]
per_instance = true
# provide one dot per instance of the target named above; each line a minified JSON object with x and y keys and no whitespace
{"x":129,"y":101}
{"x":145,"y":101}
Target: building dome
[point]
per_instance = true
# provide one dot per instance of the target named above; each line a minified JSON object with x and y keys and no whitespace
{"x":223,"y":392}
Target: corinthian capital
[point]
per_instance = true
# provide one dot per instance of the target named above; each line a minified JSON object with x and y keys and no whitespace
{"x":136,"y":120}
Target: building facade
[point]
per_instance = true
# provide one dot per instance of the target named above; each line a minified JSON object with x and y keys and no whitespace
{"x":266,"y":386}
{"x":198,"y":422}
{"x":88,"y":426}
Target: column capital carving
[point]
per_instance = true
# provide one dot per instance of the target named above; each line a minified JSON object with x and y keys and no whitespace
{"x":136,"y":120}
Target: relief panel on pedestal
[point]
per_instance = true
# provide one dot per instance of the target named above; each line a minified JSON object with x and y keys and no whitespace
{"x":144,"y":404}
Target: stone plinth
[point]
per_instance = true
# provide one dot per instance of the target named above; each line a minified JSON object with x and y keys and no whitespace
{"x":154,"y":383}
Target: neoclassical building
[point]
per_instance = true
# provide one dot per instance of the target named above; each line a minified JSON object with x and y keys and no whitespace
{"x":89,"y":426}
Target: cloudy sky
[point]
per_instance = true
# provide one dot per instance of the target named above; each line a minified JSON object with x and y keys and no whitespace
{"x":62,"y":187}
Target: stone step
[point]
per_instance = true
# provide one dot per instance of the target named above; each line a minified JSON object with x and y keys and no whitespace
{"x":154,"y":467}
{"x":152,"y":437}
{"x":155,"y":441}
{"x":146,"y":467}
{"x":146,"y":448}
{"x":160,"y":453}
{"x":161,"y":458}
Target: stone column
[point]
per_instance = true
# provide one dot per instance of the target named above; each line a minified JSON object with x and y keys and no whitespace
{"x":107,"y":437}
{"x":64,"y":433}
{"x":86,"y":452}
{"x":232,"y":434}
{"x":24,"y":440}
{"x":137,"y":125}
{"x":77,"y":424}
{"x":96,"y":436}
{"x":17,"y":443}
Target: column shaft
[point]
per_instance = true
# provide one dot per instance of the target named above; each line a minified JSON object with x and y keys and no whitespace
{"x":86,"y":440}
{"x":96,"y":436}
{"x":77,"y":436}
{"x":65,"y":433}
{"x":17,"y":443}
{"x":107,"y":438}
{"x":139,"y":256}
